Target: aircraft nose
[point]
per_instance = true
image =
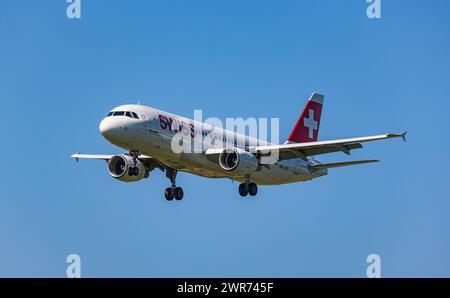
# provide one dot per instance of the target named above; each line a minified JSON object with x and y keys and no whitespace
{"x":107,"y":128}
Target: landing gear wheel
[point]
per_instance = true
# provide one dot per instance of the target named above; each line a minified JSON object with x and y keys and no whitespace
{"x":173,"y":192}
{"x":169,"y":194}
{"x":252,"y":189}
{"x":243,"y":189}
{"x":178,"y":193}
{"x":133,"y":171}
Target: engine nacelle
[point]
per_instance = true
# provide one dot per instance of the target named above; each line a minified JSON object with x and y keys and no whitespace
{"x":119,"y":167}
{"x":238,"y":161}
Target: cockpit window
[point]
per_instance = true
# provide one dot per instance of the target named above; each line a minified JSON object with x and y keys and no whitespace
{"x":123,"y":113}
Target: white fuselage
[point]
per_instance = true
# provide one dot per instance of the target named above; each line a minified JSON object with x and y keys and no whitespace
{"x":152,"y":131}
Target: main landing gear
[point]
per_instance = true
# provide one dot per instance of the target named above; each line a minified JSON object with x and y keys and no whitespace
{"x":173,"y":192}
{"x":248,"y":188}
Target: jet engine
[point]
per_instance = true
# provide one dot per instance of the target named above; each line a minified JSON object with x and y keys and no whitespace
{"x":238,"y":161}
{"x":123,"y":168}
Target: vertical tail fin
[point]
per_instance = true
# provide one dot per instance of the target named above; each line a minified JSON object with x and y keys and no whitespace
{"x":307,"y":127}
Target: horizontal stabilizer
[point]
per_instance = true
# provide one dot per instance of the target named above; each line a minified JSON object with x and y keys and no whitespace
{"x":341,"y":164}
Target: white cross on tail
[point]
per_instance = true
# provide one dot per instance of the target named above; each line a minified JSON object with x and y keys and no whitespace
{"x":310,"y":123}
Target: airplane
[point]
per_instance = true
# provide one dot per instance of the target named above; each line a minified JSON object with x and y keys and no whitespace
{"x":147,"y":135}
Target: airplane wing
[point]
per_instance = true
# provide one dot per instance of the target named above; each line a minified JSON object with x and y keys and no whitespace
{"x":105,"y":157}
{"x":79,"y":156}
{"x":149,"y":162}
{"x":303,"y":150}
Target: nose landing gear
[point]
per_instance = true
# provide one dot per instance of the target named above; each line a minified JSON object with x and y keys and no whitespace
{"x":173,"y":192}
{"x":134,"y":171}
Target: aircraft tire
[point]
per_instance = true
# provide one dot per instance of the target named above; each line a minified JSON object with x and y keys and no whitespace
{"x":252,"y":189}
{"x":169,"y":194}
{"x":178,"y":193}
{"x":243,"y":189}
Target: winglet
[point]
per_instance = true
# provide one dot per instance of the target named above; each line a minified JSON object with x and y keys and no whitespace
{"x":403,"y":135}
{"x":75,"y":156}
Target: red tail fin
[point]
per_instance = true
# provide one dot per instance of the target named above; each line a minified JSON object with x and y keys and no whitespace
{"x":307,"y":127}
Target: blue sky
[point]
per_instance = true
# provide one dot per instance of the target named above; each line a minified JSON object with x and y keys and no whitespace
{"x":231,"y":58}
